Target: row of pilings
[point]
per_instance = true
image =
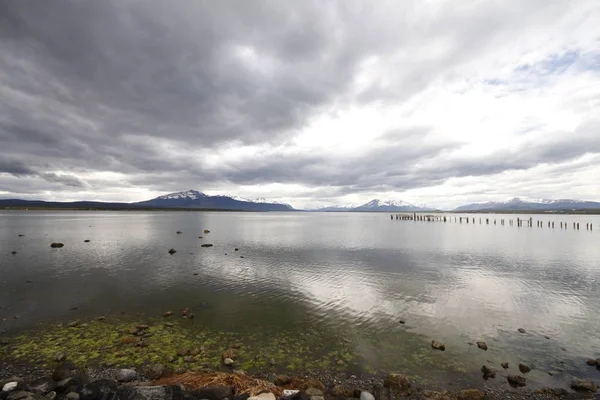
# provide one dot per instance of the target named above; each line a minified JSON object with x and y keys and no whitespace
{"x":487,"y":221}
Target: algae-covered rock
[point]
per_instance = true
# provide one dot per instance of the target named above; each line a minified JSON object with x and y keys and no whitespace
{"x":398,"y":384}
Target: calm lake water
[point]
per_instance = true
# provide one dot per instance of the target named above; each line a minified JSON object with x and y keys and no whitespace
{"x":327,"y":278}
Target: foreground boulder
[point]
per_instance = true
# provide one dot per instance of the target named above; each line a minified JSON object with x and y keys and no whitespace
{"x":99,"y":390}
{"x":398,"y":385}
{"x":214,"y":393}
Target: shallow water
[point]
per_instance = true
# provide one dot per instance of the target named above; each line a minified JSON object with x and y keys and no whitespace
{"x":337,"y":281}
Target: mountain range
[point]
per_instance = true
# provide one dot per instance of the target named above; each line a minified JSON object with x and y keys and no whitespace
{"x":198,"y":200}
{"x":378,"y":205}
{"x":520,"y":204}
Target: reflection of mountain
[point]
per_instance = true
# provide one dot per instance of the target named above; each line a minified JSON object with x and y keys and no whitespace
{"x":530,"y":204}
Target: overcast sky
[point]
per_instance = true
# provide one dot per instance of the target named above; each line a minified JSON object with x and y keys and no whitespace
{"x":311,"y":103}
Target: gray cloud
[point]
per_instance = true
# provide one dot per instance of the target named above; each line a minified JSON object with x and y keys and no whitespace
{"x":151,"y":89}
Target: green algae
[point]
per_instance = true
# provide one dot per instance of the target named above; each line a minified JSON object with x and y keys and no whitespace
{"x":184,"y":345}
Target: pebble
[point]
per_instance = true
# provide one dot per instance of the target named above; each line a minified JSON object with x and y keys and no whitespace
{"x":521,"y":330}
{"x":10,"y":386}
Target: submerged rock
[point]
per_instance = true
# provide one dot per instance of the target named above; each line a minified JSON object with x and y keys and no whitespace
{"x":584,"y":386}
{"x":438,"y":345}
{"x":516,"y":380}
{"x":470,"y":394}
{"x":398,"y":385}
{"x":488,"y":372}
{"x":56,"y":245}
{"x":482,"y":345}
{"x":524,"y":368}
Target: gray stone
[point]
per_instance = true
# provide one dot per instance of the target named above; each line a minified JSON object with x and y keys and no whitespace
{"x":42,"y":386}
{"x":364,"y":395}
{"x":72,"y":396}
{"x":289,"y":393}
{"x":229,"y":362}
{"x":126,"y":375}
{"x":214,"y":393}
{"x":98,"y":390}
{"x":127,"y":392}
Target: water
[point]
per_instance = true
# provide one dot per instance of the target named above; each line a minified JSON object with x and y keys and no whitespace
{"x":337,"y":281}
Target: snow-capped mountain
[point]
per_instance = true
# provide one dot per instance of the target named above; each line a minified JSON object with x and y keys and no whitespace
{"x":190,"y":194}
{"x":195,"y":199}
{"x":520,"y":203}
{"x":378,"y":205}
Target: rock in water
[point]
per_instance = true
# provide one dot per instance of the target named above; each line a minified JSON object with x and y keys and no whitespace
{"x":583,"y":386}
{"x":398,"y":384}
{"x":56,"y":245}
{"x":516,"y":380}
{"x":206,"y":231}
{"x":86,"y":241}
{"x":482,"y":345}
{"x":126,"y":375}
{"x":524,"y":368}
{"x":13,"y":252}
{"x":488,"y":372}
{"x":437,"y":345}
{"x":592,"y":363}
{"x":172,"y":251}
{"x":206,"y":245}
{"x":179,"y":232}
{"x":364,"y":395}
{"x":521,"y":330}
{"x":504,"y":365}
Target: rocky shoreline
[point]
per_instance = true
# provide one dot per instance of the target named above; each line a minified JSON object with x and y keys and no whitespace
{"x":159,"y":382}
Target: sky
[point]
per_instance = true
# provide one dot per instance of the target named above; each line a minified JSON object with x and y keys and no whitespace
{"x":311,"y":103}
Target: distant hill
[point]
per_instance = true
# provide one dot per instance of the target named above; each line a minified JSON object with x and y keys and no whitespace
{"x":195,"y":199}
{"x":519,"y":204}
{"x":189,"y":199}
{"x":377,"y":205}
